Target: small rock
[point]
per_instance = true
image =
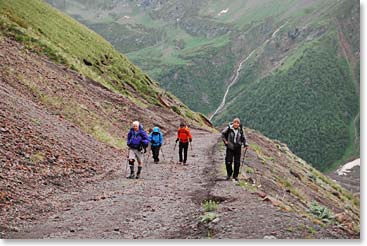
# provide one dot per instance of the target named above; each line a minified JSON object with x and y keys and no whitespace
{"x":269,"y":237}
{"x":116,"y":229}
{"x":261,"y":194}
{"x":216,"y":220}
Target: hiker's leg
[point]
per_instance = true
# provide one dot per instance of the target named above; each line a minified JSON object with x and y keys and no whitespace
{"x":180,"y":149}
{"x":131,"y":163}
{"x":139,"y":157}
{"x":158,"y":148}
{"x":186,"y":147}
{"x":237,"y":162}
{"x":229,"y":158}
{"x":156,"y":153}
{"x":152,"y":148}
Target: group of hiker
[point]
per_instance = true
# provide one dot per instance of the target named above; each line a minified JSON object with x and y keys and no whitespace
{"x":138,"y":142}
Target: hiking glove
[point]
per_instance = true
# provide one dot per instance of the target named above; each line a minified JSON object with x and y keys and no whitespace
{"x":176,"y":140}
{"x":190,"y":140}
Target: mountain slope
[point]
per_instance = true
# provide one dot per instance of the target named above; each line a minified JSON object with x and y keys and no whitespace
{"x":317,"y":96}
{"x":194,"y":49}
{"x":46,"y":31}
{"x":60,"y":128}
{"x":63,"y":155}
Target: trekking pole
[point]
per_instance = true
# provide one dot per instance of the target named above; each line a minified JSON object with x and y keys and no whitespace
{"x":243,"y":159}
{"x":162,"y":154}
{"x":174,"y":148}
{"x":126,"y":167}
{"x":243,"y":164}
{"x":146,"y":161}
{"x":127,"y":163}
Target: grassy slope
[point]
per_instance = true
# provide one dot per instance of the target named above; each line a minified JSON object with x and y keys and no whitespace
{"x":45,"y":30}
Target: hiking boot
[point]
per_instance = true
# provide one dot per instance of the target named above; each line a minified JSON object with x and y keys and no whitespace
{"x":138,"y":173}
{"x":185,"y":164}
{"x":179,"y":163}
{"x":235,"y":179}
{"x":131,"y":176}
{"x":228,"y":178}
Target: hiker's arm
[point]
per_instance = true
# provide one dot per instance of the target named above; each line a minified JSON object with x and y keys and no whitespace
{"x":161,"y":135}
{"x":190,"y":136}
{"x":128,"y":138}
{"x":245,"y":143}
{"x":224,"y":133}
{"x":145,"y":136}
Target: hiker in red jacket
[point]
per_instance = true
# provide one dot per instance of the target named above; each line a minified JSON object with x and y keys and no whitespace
{"x":184,"y":136}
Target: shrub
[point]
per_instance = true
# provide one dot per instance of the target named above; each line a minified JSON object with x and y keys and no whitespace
{"x":209,"y":205}
{"x":321,"y":212}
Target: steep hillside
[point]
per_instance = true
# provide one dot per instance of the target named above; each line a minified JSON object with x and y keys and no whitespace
{"x":65,"y":112}
{"x":194,"y":48}
{"x":44,"y":30}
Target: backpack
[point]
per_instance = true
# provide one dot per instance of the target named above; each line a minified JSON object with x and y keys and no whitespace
{"x":183,"y":134}
{"x":156,"y":138}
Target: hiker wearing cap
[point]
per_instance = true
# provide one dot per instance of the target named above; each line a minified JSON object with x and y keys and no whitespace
{"x":137,"y":140}
{"x":233,"y":138}
{"x":156,"y":141}
{"x":184,"y":136}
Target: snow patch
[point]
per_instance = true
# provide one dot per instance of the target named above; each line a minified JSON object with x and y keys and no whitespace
{"x":223,"y":11}
{"x":127,"y":17}
{"x":346,"y":168}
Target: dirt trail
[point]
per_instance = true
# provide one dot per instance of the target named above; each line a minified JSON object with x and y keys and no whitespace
{"x":166,"y":204}
{"x":163,"y":204}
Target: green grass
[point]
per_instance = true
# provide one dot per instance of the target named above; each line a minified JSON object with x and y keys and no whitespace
{"x":208,"y":217}
{"x":209,"y":205}
{"x":45,"y":30}
{"x":322,"y":213}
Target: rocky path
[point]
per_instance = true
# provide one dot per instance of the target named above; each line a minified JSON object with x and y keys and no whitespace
{"x":165,"y":203}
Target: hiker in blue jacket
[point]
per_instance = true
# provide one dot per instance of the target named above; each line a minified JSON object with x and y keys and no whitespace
{"x":156,"y":140}
{"x":137,"y":140}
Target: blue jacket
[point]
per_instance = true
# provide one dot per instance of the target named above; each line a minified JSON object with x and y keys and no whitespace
{"x":156,"y":137}
{"x":137,"y":140}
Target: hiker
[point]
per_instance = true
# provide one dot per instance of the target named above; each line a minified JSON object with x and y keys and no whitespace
{"x":233,"y":138}
{"x":184,"y":136}
{"x":137,"y":140}
{"x":156,"y":141}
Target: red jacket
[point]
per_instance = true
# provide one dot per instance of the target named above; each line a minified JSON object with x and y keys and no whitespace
{"x":184,"y":135}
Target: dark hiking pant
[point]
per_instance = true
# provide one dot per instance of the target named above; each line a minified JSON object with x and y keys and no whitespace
{"x":155,"y":152}
{"x":233,"y":155}
{"x":183,"y":147}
